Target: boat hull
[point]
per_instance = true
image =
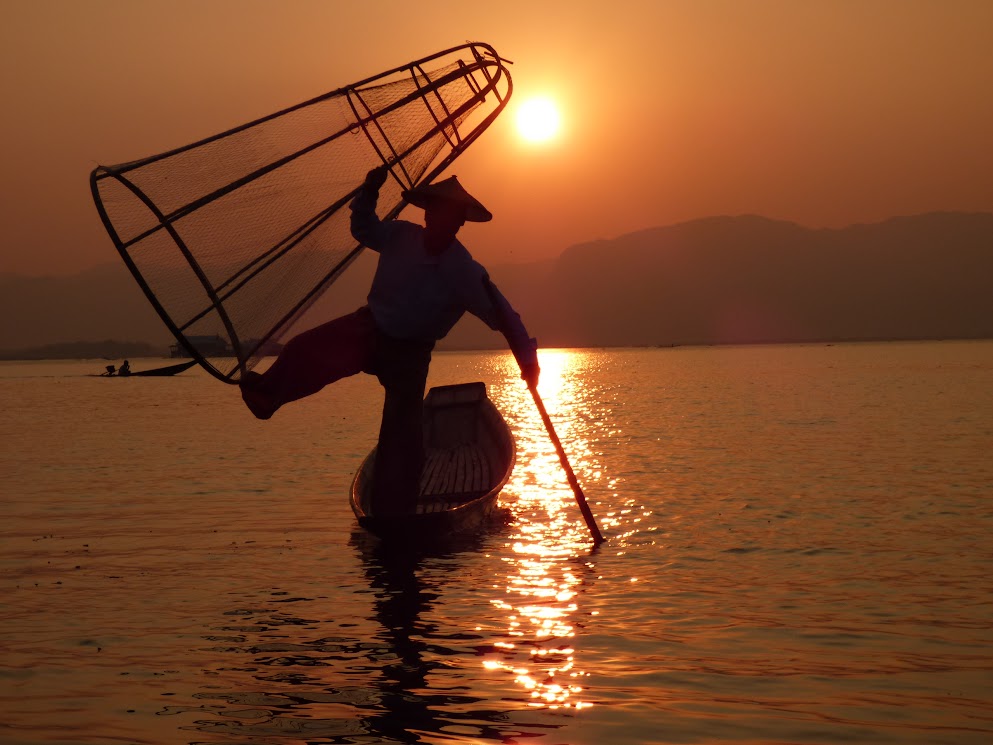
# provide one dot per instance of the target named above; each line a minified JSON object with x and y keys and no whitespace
{"x":164,"y":371}
{"x":470,"y":454}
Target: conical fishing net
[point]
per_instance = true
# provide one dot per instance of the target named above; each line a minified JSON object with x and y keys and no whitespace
{"x":232,"y":238}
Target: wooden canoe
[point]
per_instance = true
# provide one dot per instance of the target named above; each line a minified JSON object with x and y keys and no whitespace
{"x":470,"y":454}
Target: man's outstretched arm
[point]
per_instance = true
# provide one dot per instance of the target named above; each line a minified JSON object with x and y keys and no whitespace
{"x":503,"y":318}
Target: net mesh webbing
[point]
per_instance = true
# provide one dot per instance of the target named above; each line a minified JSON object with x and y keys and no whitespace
{"x":232,"y":238}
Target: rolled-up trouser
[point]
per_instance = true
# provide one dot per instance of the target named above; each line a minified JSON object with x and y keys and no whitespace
{"x":349,"y":345}
{"x":311,"y":360}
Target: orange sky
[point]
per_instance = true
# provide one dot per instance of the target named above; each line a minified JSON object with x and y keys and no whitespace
{"x":824,"y":112}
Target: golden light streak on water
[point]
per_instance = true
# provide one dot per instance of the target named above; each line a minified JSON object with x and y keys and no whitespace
{"x":549,"y":542}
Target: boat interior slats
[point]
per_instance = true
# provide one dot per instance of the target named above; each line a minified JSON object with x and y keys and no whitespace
{"x":456,"y":470}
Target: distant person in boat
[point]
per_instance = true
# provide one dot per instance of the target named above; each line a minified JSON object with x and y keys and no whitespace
{"x":424,"y":282}
{"x":125,"y":369}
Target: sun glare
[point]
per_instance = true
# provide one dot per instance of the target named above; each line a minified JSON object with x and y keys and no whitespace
{"x":538,"y":120}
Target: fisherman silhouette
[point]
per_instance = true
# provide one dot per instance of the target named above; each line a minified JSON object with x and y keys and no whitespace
{"x":425,"y":281}
{"x":125,"y":369}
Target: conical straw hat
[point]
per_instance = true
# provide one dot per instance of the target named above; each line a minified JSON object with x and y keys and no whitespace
{"x":451,"y":190}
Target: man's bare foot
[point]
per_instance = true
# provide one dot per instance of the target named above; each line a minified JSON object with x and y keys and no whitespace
{"x":259,"y":403}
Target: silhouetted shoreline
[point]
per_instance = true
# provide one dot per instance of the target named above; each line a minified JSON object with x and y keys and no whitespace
{"x":712,"y":281}
{"x":112,"y":350}
{"x":109,"y":349}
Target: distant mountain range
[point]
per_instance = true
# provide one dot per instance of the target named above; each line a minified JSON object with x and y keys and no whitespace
{"x":720,"y":280}
{"x":732,"y":280}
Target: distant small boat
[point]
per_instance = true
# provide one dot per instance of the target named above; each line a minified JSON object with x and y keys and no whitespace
{"x":154,"y":372}
{"x":470,"y":454}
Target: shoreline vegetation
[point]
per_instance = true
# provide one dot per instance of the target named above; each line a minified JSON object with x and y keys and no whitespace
{"x":108,"y":349}
{"x":111,"y":350}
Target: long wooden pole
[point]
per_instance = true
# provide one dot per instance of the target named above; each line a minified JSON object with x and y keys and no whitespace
{"x":577,"y":490}
{"x":573,"y":482}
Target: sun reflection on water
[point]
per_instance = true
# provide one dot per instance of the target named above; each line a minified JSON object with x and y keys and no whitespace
{"x":550,"y":545}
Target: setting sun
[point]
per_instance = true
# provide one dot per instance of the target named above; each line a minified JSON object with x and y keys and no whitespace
{"x":538,"y":120}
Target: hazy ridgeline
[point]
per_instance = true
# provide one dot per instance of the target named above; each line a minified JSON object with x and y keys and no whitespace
{"x":713,"y":281}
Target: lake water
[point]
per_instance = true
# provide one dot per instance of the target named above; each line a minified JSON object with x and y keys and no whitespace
{"x":800,"y":551}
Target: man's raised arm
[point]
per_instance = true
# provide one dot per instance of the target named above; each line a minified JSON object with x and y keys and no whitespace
{"x":367,"y":228}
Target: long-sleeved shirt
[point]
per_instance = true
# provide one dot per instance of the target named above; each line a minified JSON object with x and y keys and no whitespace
{"x":418,"y":295}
